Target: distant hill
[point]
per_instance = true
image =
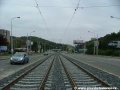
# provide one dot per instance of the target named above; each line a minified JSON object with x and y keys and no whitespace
{"x":43,"y":44}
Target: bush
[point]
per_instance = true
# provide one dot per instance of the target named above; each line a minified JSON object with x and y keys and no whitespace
{"x":90,"y":51}
{"x":116,"y":53}
{"x":105,"y":52}
{"x":101,"y":52}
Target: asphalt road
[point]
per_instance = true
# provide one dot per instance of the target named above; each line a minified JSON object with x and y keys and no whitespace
{"x":4,"y":57}
{"x":7,"y":69}
{"x":107,"y":64}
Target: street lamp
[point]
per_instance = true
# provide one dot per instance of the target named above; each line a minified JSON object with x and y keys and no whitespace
{"x":94,"y":42}
{"x":114,"y":17}
{"x":30,"y":39}
{"x":84,"y":46}
{"x":11,"y":35}
{"x":97,"y":45}
{"x":27,"y":43}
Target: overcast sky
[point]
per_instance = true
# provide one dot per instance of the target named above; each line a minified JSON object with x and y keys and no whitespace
{"x":61,"y":20}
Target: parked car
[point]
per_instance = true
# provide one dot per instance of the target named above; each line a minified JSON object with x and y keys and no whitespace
{"x":19,"y":57}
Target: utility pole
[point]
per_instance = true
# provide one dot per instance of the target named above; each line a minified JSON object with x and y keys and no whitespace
{"x":12,"y":35}
{"x":94,"y":42}
{"x":97,"y":46}
{"x":27,"y":43}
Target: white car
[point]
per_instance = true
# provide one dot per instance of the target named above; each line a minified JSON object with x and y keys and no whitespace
{"x":46,"y":53}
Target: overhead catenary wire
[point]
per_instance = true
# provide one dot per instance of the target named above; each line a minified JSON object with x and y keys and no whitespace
{"x":95,"y":6}
{"x":43,"y":19}
{"x":99,"y":6}
{"x":70,"y":20}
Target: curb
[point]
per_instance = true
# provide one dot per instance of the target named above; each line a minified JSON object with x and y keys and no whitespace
{"x":4,"y":58}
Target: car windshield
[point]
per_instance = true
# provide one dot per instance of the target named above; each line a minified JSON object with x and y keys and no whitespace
{"x":19,"y":54}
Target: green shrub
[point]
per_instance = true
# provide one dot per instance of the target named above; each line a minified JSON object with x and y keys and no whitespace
{"x":105,"y":52}
{"x":116,"y":53}
{"x":90,"y":51}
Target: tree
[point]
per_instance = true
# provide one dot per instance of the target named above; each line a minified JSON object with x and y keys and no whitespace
{"x":35,"y":46}
{"x":104,"y":49}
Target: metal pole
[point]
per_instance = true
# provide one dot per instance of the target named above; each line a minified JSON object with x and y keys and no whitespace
{"x":94,"y":45}
{"x":16,"y":42}
{"x":30,"y":42}
{"x":27,"y":43}
{"x":84,"y":48}
{"x":94,"y":42}
{"x":12,"y":36}
{"x":97,"y":45}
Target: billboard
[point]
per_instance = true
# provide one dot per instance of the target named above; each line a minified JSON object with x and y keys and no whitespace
{"x":115,"y":44}
{"x":78,"y":42}
{"x":3,"y":48}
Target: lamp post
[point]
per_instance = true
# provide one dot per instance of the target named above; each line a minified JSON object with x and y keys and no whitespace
{"x":11,"y":35}
{"x":30,"y":39}
{"x":27,"y":43}
{"x":114,"y":17}
{"x":84,"y":46}
{"x":97,"y":45}
{"x":94,"y":42}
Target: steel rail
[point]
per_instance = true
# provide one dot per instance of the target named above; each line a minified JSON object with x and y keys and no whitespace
{"x":90,"y":74}
{"x":69,"y":76}
{"x":41,"y":86}
{"x":24,"y":74}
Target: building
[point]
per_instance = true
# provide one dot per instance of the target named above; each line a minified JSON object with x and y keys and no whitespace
{"x":6,"y":34}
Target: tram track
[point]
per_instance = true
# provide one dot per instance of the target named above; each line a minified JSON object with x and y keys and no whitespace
{"x":57,"y":79}
{"x":79,"y":77}
{"x":56,"y":73}
{"x":35,"y":79}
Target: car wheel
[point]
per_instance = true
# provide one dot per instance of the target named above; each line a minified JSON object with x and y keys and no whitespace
{"x":24,"y":62}
{"x":27,"y":61}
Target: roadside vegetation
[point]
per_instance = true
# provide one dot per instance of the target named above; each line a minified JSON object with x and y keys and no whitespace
{"x":43,"y":45}
{"x":39,"y":44}
{"x":104,"y":49}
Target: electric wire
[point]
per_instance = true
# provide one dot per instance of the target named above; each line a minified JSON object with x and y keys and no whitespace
{"x":99,"y":6}
{"x":38,"y":7}
{"x":43,"y":19}
{"x":70,"y":20}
